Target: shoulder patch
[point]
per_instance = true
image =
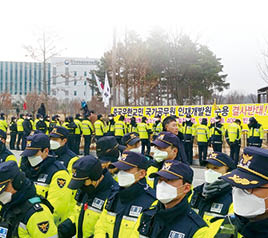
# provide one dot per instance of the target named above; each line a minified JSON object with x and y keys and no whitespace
{"x":196,"y":218}
{"x":61,"y":182}
{"x":43,"y":226}
{"x":135,"y":211}
{"x":98,"y":203}
{"x":176,"y":234}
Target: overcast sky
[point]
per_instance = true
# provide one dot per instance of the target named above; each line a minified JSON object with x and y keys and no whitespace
{"x":235,"y":30}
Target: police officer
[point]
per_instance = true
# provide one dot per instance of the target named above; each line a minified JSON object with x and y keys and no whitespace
{"x":170,"y":124}
{"x":216,"y":134}
{"x":120,"y":129}
{"x":13,"y":133}
{"x":166,"y":147}
{"x":126,"y":204}
{"x":41,"y":125}
{"x":77,"y":132}
{"x":49,"y":175}
{"x":23,"y":213}
{"x":144,"y":132}
{"x":157,"y":126}
{"x":3,"y":122}
{"x":59,"y":145}
{"x":20,"y":130}
{"x":36,"y":120}
{"x":71,"y":126}
{"x":188,"y":137}
{"x":132,"y":127}
{"x":250,"y":183}
{"x":107,"y":150}
{"x":94,"y":186}
{"x":88,"y":131}
{"x":233,"y":138}
{"x":110,"y":125}
{"x":132,"y":142}
{"x":27,"y":129}
{"x":214,"y":197}
{"x":172,"y":216}
{"x":54,"y":122}
{"x":202,"y":137}
{"x":255,"y":133}
{"x":99,"y":127}
{"x":5,"y":154}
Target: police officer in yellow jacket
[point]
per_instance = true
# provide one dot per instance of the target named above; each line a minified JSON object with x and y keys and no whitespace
{"x":144,"y":132}
{"x":157,"y":126}
{"x":202,"y":137}
{"x":23,"y":213}
{"x":188,"y":130}
{"x":3,"y":122}
{"x":214,"y":197}
{"x":49,"y":175}
{"x":94,"y":186}
{"x":77,"y":132}
{"x":255,"y":133}
{"x":120,"y":129}
{"x":5,"y":154}
{"x":88,"y":131}
{"x":172,"y":216}
{"x":250,"y":193}
{"x":20,"y":130}
{"x":110,"y":126}
{"x":216,"y":134}
{"x":99,"y":127}
{"x":125,"y":205}
{"x":233,"y":138}
{"x":58,"y":144}
{"x":132,"y":126}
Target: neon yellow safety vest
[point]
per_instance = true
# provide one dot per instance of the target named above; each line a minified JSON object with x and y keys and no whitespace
{"x":87,"y":128}
{"x":99,"y":128}
{"x":233,"y":132}
{"x":202,"y":133}
{"x":119,"y":128}
{"x":19,"y":125}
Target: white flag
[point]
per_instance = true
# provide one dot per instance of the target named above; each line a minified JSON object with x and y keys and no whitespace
{"x":99,"y":84}
{"x":106,"y":92}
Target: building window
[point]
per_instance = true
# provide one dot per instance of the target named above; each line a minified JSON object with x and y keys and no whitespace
{"x":85,"y":73}
{"x":66,"y":93}
{"x":85,"y":83}
{"x":75,"y":82}
{"x":66,"y":76}
{"x":54,"y":75}
{"x":75,"y":93}
{"x":11,"y":78}
{"x":30,"y":77}
{"x":75,"y":73}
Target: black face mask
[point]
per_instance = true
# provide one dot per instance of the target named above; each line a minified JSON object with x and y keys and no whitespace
{"x":89,"y":190}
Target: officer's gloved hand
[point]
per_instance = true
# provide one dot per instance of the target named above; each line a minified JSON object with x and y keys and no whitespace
{"x":260,"y":142}
{"x":228,"y":142}
{"x":247,"y":143}
{"x":66,"y":229}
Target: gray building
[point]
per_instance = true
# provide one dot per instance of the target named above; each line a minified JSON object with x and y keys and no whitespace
{"x":21,"y":78}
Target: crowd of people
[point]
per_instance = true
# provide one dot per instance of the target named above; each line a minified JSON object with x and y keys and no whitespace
{"x":140,"y":184}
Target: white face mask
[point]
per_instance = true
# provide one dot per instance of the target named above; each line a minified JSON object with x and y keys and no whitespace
{"x":188,"y":119}
{"x":125,"y":179}
{"x":5,"y":197}
{"x":159,"y":155}
{"x":165,"y":193}
{"x":211,"y":176}
{"x":54,"y":145}
{"x":137,"y":150}
{"x":247,"y":205}
{"x":35,"y":160}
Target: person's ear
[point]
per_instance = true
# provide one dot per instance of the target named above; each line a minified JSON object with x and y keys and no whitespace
{"x":141,"y":174}
{"x":186,"y":188}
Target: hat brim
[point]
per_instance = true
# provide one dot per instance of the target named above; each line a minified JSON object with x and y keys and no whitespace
{"x":75,"y":184}
{"x":134,"y":141}
{"x":164,"y":174}
{"x":160,"y":144}
{"x":214,"y":162}
{"x":120,"y":165}
{"x":243,"y":179}
{"x":53,"y":135}
{"x":28,"y":152}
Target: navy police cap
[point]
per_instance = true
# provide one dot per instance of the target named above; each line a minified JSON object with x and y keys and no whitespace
{"x":252,"y":170}
{"x":129,"y":160}
{"x":173,"y":169}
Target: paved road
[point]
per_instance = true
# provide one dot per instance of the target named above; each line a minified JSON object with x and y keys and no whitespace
{"x":198,"y":172}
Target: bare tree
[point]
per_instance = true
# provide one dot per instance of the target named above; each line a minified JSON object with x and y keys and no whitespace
{"x":43,"y":51}
{"x":5,"y":102}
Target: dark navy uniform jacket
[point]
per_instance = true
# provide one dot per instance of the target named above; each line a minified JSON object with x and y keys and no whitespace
{"x":178,"y":222}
